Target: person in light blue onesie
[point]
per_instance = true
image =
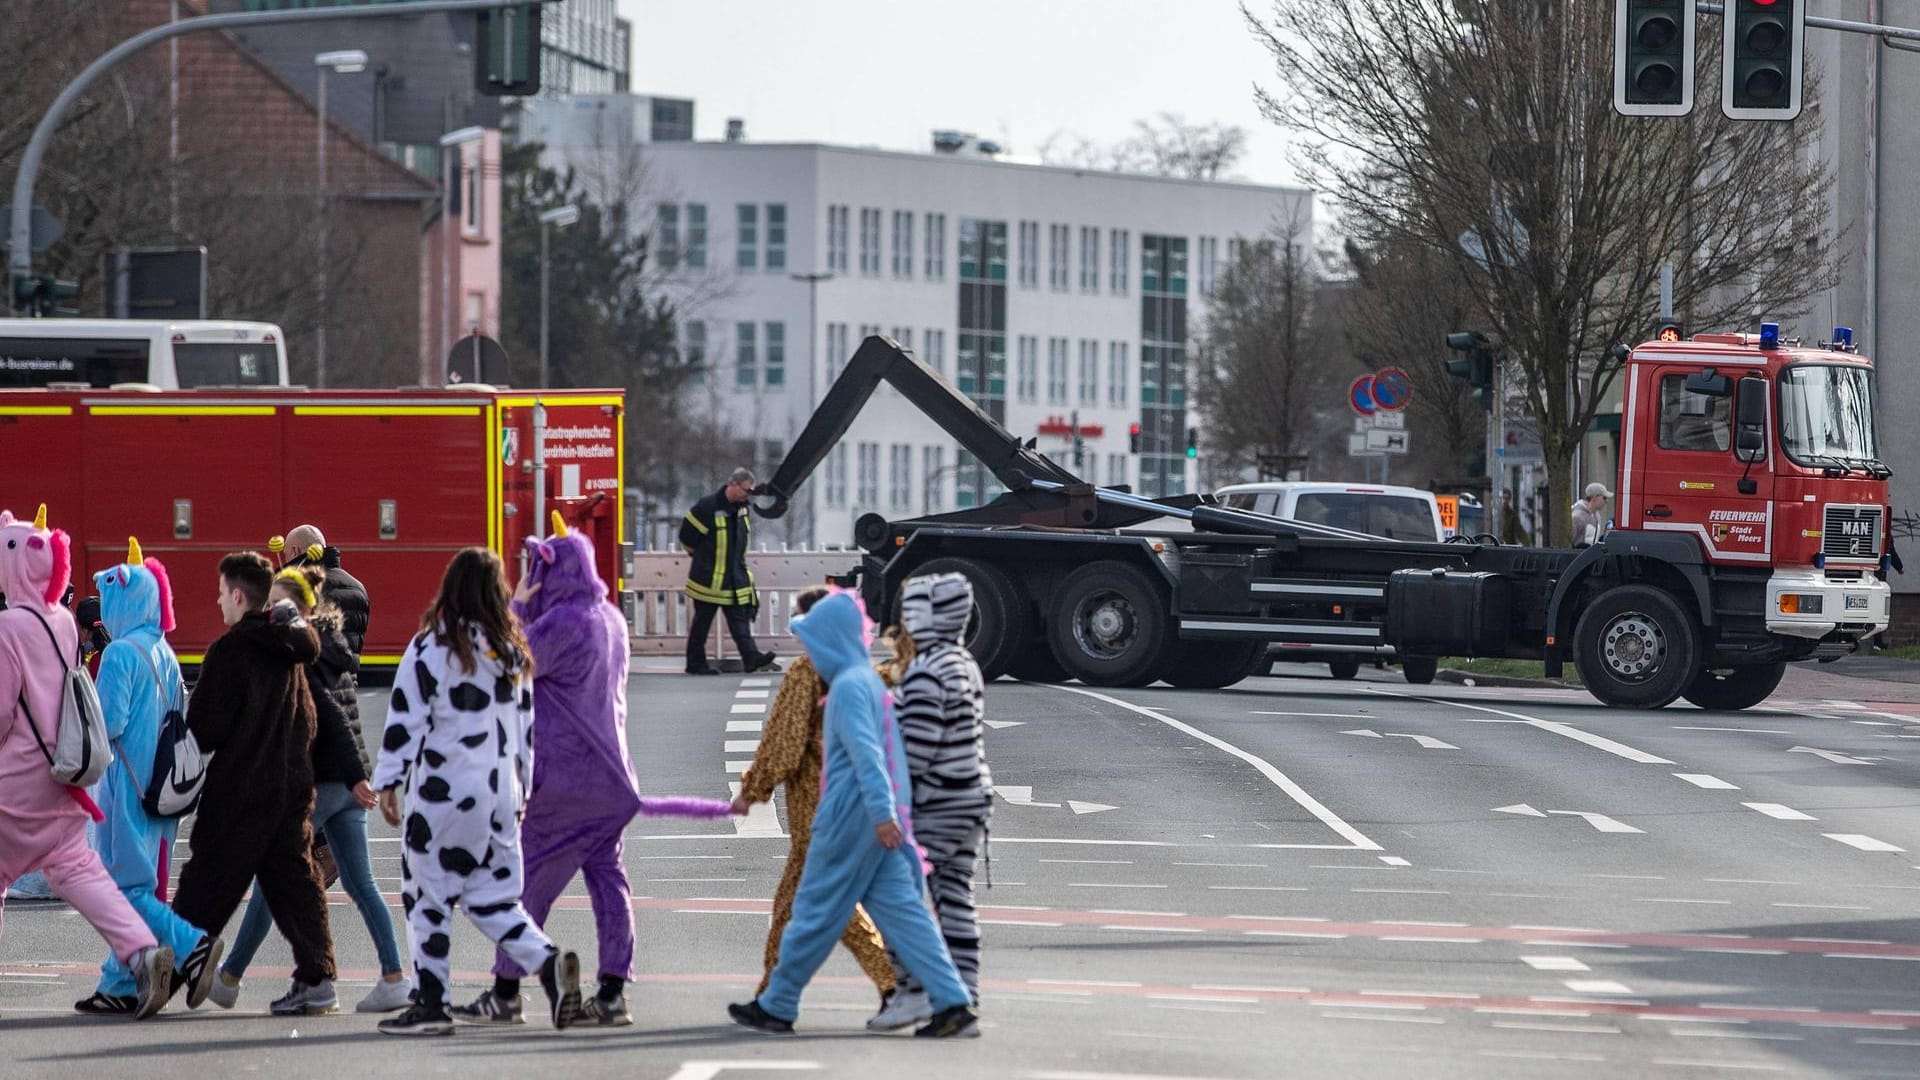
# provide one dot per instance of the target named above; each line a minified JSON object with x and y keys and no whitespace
{"x":863,"y":850}
{"x":139,"y":682}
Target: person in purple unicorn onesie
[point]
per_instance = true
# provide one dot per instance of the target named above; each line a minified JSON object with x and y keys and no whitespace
{"x":584,"y":792}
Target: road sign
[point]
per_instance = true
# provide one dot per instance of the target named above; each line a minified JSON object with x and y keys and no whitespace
{"x":1449,"y":515}
{"x":44,"y":228}
{"x":1385,"y":441}
{"x":1396,"y":421}
{"x":1357,"y":445}
{"x":1392,"y":388}
{"x":477,"y":358}
{"x":1360,"y":396}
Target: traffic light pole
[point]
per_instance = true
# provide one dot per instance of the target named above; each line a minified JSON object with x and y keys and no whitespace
{"x":20,"y":227}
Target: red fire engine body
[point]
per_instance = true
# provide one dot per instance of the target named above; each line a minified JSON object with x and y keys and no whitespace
{"x":398,"y":480}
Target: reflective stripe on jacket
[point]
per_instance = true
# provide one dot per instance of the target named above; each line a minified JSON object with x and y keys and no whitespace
{"x":717,"y":533}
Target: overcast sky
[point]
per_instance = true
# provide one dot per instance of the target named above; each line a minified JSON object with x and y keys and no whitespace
{"x":888,"y":72}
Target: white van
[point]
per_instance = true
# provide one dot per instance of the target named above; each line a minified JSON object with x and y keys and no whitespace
{"x":172,"y":355}
{"x":1397,"y":513}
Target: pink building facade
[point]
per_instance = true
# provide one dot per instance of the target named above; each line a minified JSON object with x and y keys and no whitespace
{"x":460,"y":252}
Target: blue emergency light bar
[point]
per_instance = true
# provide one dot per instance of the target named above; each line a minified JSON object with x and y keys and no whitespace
{"x":1769,"y":335}
{"x":1843,"y":338}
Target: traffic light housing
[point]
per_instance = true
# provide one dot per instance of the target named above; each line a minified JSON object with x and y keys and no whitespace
{"x":507,"y":52}
{"x":1133,"y":438}
{"x":1475,"y":366}
{"x":1762,"y":64}
{"x":1653,"y":51}
{"x":1193,"y":442}
{"x":45,"y":297}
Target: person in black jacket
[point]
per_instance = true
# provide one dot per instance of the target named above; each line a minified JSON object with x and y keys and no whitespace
{"x":717,"y":533}
{"x":342,"y":798}
{"x":343,"y":590}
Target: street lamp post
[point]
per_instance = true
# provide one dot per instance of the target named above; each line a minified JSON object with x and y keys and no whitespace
{"x":557,"y":218}
{"x":812,"y":281}
{"x":344,"y":62}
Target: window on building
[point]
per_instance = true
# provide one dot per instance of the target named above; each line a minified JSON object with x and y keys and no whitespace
{"x":900,"y":477}
{"x":1090,"y":469}
{"x":903,"y":244}
{"x":693,"y":347}
{"x":1116,"y":470}
{"x":1117,"y":373}
{"x":837,"y":238}
{"x":747,"y":237}
{"x":473,"y":183}
{"x":837,"y":476}
{"x":1089,"y":371}
{"x":1207,"y":257}
{"x":1059,"y":237}
{"x":933,"y":480}
{"x":1026,"y":378}
{"x":696,"y":236}
{"x":745,"y":356}
{"x":776,"y":363}
{"x":936,"y":247}
{"x":837,"y":351}
{"x":868,"y":495}
{"x":867,"y":330}
{"x":666,"y":229}
{"x":1057,"y":371}
{"x":1029,"y":254}
{"x":776,"y":236}
{"x":1234,"y":245}
{"x":1117,"y":244}
{"x":870,"y":241}
{"x":1089,"y":259}
{"x":936,"y":354}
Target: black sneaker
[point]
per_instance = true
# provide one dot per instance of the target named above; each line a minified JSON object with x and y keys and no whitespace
{"x":107,"y":1005}
{"x":560,"y":978}
{"x":766,"y":662}
{"x":957,"y":1022}
{"x":418,"y":1019}
{"x":199,"y":969}
{"x":703,"y":671}
{"x":753,"y":1016}
{"x":491,"y":1008}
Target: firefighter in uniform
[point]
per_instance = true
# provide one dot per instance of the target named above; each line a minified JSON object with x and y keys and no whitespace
{"x":716,"y":532}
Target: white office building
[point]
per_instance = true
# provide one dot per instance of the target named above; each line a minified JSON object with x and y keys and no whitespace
{"x":1049,"y":295}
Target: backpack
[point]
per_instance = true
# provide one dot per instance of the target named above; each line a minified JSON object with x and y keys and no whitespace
{"x":179,"y":766}
{"x":81,"y":750}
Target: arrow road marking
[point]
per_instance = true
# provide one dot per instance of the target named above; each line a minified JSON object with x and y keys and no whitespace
{"x":1427,"y":742}
{"x":1021,"y":796}
{"x":1831,"y":755}
{"x":1079,"y":807}
{"x":1519,"y":808}
{"x":1599,"y":821}
{"x":998,"y":724}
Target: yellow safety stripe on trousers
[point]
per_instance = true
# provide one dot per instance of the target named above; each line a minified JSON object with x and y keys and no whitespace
{"x":723,"y":597}
{"x":696,"y":523}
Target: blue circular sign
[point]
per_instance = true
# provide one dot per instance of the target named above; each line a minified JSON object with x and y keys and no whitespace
{"x":1392,"y":389}
{"x":1360,"y":396}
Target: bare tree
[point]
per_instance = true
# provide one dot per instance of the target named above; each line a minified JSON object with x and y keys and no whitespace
{"x":1167,"y":145}
{"x":1482,"y":131}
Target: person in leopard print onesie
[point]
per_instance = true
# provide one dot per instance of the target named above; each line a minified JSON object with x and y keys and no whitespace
{"x":459,"y":737}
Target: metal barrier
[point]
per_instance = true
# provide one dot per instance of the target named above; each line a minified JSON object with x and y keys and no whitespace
{"x":659,"y":613}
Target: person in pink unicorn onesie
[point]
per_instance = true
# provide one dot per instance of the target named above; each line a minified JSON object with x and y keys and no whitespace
{"x":584,"y":792}
{"x":43,"y":823}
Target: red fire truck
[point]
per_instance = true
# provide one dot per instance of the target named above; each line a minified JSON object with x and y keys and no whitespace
{"x":398,"y":480}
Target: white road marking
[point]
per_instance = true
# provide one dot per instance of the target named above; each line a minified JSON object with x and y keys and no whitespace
{"x":1874,"y":723}
{"x":1435,"y":940}
{"x":1318,"y":715}
{"x":1235,"y":865}
{"x":745,"y":725}
{"x":740,"y":746}
{"x":1109,"y":885}
{"x":1079,"y":807}
{"x":1093,"y":843}
{"x":1383,"y":1019}
{"x":1864,"y":843}
{"x":750,"y":695}
{"x":1711,"y":783}
{"x":1554,"y":963}
{"x":1021,"y":795}
{"x":1519,"y":808}
{"x":984,"y":921}
{"x":761,"y":818}
{"x":1102,"y":1076}
{"x":739,"y":766}
{"x":1291,"y":934}
{"x":1601,"y":822}
{"x":1253,"y":989}
{"x":1135,"y":911}
{"x":1674,"y":900}
{"x":1597,"y":986}
{"x":1279,"y":779}
{"x":1572,"y":1029}
{"x":756,"y":682}
{"x":707,"y":1070}
{"x":1685,"y":1064}
{"x":1534,"y":1055}
{"x":1394,"y":860}
{"x":1825,"y":907}
{"x":1000,"y":724}
{"x":748,"y":709}
{"x":1427,"y":742}
{"x":1779,"y":812}
{"x":1258,"y":888}
{"x":1096,"y":862}
{"x":1834,"y":756}
{"x":1598,"y":742}
{"x":1154,"y":929}
{"x":1084,"y":982}
{"x":1747,"y":730}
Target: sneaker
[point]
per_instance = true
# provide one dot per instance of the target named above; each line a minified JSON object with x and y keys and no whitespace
{"x":317,"y":999}
{"x":957,"y":1022}
{"x":490,"y":1008}
{"x":152,"y":980}
{"x":418,"y":1020}
{"x":709,"y":670}
{"x":596,"y":1010}
{"x":560,"y":978}
{"x":200,"y":970}
{"x":903,"y":1008}
{"x":765,"y":662}
{"x":387,"y":996}
{"x":107,"y":1005}
{"x":226,"y":990}
{"x":753,"y":1016}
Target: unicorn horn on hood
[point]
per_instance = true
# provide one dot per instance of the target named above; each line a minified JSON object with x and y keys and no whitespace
{"x":40,"y":517}
{"x":134,"y":556}
{"x":559,"y":524}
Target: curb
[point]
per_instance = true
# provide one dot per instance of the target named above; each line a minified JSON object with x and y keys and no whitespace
{"x":1453,"y":675}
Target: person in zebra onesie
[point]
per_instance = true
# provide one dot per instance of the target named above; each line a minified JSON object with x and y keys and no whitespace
{"x":941,"y":706}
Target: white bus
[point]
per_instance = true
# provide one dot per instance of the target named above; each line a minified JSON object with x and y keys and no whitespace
{"x":169,"y":355}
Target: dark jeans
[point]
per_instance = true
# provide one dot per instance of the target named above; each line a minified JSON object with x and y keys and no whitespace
{"x":739,"y":624}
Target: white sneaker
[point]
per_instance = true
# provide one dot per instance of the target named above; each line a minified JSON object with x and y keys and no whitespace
{"x":386,"y":997}
{"x":904,"y":1008}
{"x":226,"y":990}
{"x":317,"y":999}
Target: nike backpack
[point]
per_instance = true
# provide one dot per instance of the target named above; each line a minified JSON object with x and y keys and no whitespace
{"x":179,"y":766}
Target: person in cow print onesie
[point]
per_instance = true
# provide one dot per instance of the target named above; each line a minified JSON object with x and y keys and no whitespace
{"x":941,"y":707}
{"x":459,"y":737}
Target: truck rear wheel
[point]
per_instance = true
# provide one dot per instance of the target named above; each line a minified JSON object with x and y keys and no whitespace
{"x":1036,"y":663}
{"x":1344,"y":668}
{"x":1419,"y":670}
{"x":1110,"y":625}
{"x":1210,"y":665}
{"x":998,"y":628}
{"x":1636,"y":647}
{"x":1737,"y":688}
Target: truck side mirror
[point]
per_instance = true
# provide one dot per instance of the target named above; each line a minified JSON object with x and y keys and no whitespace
{"x":1750,"y":429}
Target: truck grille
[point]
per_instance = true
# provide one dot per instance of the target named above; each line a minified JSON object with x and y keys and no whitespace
{"x":1851,"y":532}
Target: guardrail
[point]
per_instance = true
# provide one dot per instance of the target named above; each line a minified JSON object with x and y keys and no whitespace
{"x":659,"y":613}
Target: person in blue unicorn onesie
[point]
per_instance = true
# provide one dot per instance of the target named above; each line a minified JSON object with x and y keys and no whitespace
{"x":863,"y":850}
{"x":139,"y":682}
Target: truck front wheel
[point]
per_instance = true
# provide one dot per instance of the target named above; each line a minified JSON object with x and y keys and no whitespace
{"x":1419,"y":670}
{"x":998,"y":628}
{"x":1110,"y":625}
{"x":1735,"y":688}
{"x":1636,"y":647}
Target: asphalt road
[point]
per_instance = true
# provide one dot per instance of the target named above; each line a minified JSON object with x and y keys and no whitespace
{"x":1294,"y":877}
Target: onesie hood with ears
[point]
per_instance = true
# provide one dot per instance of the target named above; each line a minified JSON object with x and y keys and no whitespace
{"x":135,"y":595}
{"x":934,"y":609}
{"x":835,"y":636}
{"x":35,"y":562}
{"x":562,"y":565}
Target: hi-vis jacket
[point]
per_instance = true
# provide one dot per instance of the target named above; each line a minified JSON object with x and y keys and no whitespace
{"x":717,"y":533}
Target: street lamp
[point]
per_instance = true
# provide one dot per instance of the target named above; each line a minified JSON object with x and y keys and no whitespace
{"x":557,"y":218}
{"x":449,"y":145}
{"x":812,"y":281}
{"x":343,"y":62}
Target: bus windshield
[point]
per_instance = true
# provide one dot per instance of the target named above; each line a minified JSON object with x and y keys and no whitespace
{"x":225,"y":364}
{"x":1826,"y":415}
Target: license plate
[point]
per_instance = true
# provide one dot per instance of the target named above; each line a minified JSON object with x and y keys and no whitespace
{"x":1856,"y":603}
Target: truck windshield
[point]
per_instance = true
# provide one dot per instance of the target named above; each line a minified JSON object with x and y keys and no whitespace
{"x":1826,"y":415}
